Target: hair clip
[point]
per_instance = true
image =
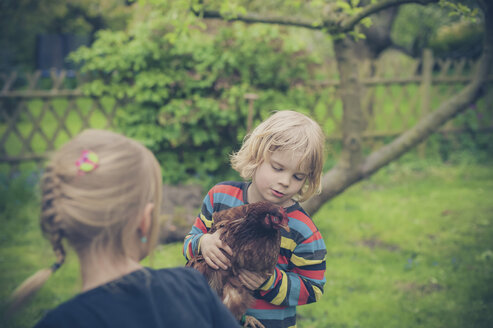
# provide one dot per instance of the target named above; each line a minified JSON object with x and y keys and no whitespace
{"x":87,"y":162}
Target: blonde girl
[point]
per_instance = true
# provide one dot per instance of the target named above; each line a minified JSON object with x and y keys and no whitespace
{"x":281,"y":162}
{"x":101,"y":193}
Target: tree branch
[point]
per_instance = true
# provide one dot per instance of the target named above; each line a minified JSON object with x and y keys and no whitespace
{"x":331,"y":24}
{"x":349,"y":23}
{"x":257,"y":18}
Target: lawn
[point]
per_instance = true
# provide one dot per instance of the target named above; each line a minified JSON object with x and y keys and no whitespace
{"x":409,"y":247}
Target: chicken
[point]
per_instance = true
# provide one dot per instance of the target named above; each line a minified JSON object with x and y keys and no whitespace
{"x":252,"y":232}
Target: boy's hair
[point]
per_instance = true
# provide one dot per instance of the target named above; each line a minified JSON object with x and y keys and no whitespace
{"x":99,"y":209}
{"x":284,"y":130}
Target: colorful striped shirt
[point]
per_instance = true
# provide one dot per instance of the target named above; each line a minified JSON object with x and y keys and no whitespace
{"x":299,"y":275}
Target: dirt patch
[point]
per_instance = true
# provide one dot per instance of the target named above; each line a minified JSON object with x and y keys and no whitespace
{"x":179,"y":208}
{"x":373,"y":243}
{"x":424,"y":289}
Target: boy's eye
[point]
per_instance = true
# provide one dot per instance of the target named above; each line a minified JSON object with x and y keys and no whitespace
{"x":276,"y":168}
{"x":299,"y":177}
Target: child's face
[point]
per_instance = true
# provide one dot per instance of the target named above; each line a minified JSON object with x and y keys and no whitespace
{"x":277,"y":179}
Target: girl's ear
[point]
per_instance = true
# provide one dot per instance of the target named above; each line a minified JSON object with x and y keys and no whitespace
{"x":146,"y":219}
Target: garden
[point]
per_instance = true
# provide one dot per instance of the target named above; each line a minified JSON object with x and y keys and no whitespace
{"x":405,"y":210}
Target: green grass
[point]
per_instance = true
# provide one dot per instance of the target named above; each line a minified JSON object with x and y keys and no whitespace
{"x":409,"y":247}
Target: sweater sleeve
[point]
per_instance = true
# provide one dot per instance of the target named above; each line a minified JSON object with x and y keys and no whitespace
{"x":203,"y":223}
{"x":301,"y":281}
{"x":222,"y":196}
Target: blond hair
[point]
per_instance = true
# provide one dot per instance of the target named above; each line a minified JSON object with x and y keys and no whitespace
{"x":97,"y":209}
{"x":284,"y":130}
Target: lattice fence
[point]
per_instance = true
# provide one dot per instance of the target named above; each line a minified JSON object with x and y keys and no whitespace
{"x":398,"y":91}
{"x":39,"y":113}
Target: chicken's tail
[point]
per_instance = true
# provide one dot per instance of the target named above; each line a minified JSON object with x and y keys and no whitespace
{"x":237,"y":299}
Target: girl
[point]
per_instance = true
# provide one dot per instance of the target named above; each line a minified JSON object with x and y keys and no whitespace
{"x":283,"y":158}
{"x":101,"y":192}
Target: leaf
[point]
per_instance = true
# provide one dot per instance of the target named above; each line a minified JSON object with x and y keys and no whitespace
{"x":197,"y":7}
{"x":344,"y":6}
{"x":367,"y":22}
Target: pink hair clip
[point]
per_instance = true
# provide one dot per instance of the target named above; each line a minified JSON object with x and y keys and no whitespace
{"x":87,"y":162}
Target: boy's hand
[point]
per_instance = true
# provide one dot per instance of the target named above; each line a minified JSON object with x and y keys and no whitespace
{"x":213,"y":250}
{"x":252,"y":280}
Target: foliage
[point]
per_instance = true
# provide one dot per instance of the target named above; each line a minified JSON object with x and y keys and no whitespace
{"x":471,"y":146}
{"x":22,"y":20}
{"x":410,"y":246}
{"x":461,"y":8}
{"x":459,"y":39}
{"x":182,"y":82}
{"x":448,"y":28}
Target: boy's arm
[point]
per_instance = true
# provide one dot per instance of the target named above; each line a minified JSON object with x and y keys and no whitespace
{"x":203,"y":223}
{"x":304,"y":281}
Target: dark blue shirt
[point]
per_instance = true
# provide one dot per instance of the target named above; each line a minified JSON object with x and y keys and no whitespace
{"x":178,"y":297}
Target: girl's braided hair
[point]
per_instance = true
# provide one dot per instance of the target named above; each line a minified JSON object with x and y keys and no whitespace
{"x":50,"y":217}
{"x":98,"y":209}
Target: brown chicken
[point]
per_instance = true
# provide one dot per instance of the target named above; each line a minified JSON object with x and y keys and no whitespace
{"x":252,"y":232}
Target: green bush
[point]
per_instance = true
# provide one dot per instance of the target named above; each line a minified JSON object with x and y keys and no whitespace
{"x":182,"y":83}
{"x":460,"y":38}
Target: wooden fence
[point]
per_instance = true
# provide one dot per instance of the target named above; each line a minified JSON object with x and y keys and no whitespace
{"x":35,"y":109}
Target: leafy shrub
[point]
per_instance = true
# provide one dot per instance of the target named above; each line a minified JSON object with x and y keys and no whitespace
{"x":182,"y":83}
{"x":459,"y":39}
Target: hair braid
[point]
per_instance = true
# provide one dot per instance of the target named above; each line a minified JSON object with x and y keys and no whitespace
{"x":50,"y":214}
{"x":50,"y":225}
{"x":56,"y":242}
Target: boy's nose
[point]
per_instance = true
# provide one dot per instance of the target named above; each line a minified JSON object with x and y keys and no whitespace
{"x":284,"y":180}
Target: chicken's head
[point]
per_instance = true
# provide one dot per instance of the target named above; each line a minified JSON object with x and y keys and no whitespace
{"x":278,"y":221}
{"x":272,"y":216}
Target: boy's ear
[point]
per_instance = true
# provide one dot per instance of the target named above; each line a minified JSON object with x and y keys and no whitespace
{"x":146,"y":219}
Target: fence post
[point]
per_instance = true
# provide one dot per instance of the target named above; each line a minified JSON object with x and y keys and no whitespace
{"x":426,"y":85}
{"x":251,"y":97}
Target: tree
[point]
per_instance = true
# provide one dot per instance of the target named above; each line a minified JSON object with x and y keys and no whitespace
{"x":353,"y":166}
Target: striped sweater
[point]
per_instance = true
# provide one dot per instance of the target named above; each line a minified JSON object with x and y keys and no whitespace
{"x":299,"y":275}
